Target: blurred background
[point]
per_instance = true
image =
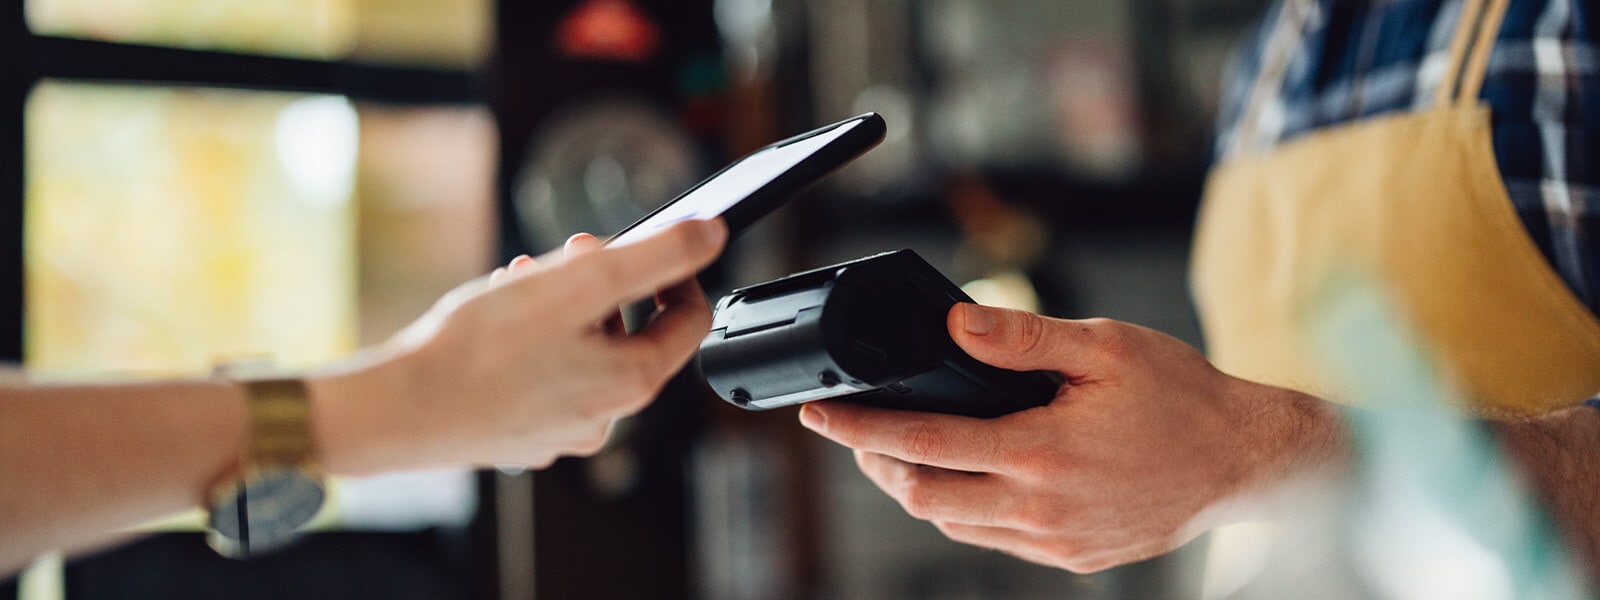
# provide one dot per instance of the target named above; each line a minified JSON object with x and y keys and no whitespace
{"x":191,"y":180}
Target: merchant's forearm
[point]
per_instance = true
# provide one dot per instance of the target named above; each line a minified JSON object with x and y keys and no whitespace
{"x":1560,"y":455}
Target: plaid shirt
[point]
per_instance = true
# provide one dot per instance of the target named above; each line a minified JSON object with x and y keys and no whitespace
{"x":1359,"y":58}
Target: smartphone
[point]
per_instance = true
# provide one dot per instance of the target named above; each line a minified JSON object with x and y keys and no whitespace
{"x":762,"y":181}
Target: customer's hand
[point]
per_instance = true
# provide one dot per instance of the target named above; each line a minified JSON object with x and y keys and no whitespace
{"x":1146,"y":446}
{"x":526,"y":365}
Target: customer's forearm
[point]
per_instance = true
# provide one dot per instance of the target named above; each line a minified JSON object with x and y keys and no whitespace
{"x":81,"y":461}
{"x":1560,"y":455}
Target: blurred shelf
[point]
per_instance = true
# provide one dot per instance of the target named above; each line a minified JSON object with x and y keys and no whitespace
{"x":36,"y":57}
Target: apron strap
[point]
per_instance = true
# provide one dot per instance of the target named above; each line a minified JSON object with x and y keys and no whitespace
{"x":1476,"y":31}
{"x":1473,"y":42}
{"x":1280,"y":46}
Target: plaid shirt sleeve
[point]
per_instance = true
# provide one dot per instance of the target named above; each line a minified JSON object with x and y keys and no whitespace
{"x":1356,"y":59}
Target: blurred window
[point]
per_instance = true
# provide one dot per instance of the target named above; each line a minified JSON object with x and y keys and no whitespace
{"x":446,"y":33}
{"x":168,"y":227}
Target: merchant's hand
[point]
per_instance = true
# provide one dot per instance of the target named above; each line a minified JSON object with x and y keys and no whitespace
{"x":526,"y":365}
{"x":1145,"y":447}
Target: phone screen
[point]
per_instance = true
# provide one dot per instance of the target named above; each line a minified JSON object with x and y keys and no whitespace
{"x":738,"y":181}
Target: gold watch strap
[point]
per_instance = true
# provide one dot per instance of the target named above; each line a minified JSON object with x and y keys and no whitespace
{"x":280,"y":423}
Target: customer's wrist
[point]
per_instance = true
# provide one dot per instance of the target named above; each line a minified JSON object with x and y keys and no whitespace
{"x":359,"y":430}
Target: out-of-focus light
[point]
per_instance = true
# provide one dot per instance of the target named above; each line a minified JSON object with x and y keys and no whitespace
{"x":1009,"y":289}
{"x":609,"y":30}
{"x":605,"y":180}
{"x":896,"y":159}
{"x":748,"y":35}
{"x":1409,"y":551}
{"x":1439,"y":512}
{"x":407,"y":501}
{"x":316,"y":142}
{"x":1236,"y":556}
{"x":317,"y":29}
{"x":743,"y":20}
{"x":896,"y":107}
{"x":957,"y":30}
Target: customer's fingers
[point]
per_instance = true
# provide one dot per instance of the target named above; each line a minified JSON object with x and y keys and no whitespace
{"x":517,"y":265}
{"x":682,"y":322}
{"x":584,"y":243}
{"x":664,"y":345}
{"x":597,"y":282}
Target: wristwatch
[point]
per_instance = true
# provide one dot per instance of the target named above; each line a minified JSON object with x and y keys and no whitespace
{"x":278,"y":486}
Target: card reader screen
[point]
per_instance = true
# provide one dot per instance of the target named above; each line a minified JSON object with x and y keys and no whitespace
{"x":716,"y":195}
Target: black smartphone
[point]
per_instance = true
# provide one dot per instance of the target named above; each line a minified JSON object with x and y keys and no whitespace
{"x":754,"y":185}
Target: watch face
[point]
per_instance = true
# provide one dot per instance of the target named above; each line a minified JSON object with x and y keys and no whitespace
{"x":266,"y":511}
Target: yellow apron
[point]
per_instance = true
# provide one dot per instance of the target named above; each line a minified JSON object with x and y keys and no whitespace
{"x":1413,"y":202}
